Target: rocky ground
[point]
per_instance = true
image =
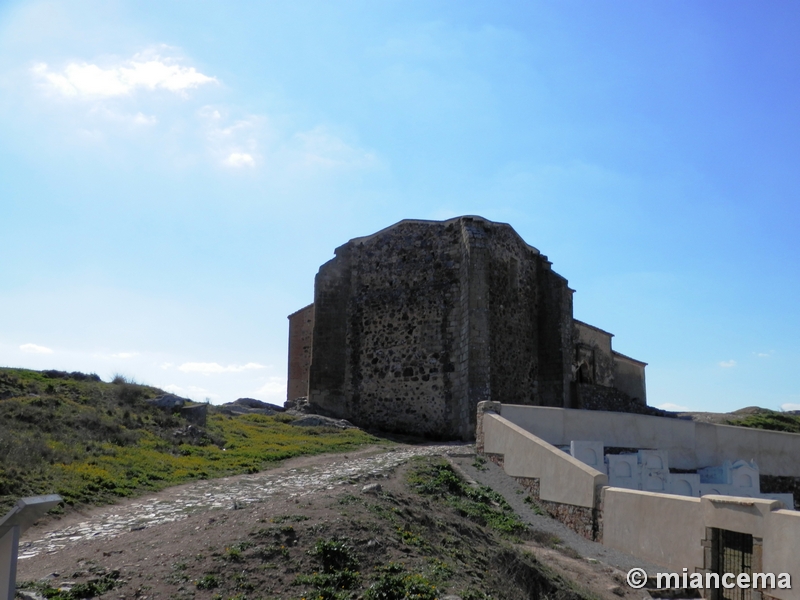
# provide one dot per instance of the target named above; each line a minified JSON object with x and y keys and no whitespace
{"x":268,"y":536}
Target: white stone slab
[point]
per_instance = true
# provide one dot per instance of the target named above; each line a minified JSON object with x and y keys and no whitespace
{"x":745,"y":476}
{"x":654,"y":459}
{"x":684,"y":484}
{"x":624,"y":471}
{"x":655,"y":480}
{"x":590,"y":453}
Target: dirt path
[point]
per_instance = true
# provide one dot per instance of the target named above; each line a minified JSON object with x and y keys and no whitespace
{"x":296,"y":478}
{"x":163,"y":542}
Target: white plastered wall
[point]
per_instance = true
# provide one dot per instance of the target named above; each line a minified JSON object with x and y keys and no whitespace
{"x":782,"y":548}
{"x":690,"y":445}
{"x":562,"y":478}
{"x":660,"y":528}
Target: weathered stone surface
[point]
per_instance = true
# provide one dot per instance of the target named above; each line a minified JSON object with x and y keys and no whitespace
{"x":195,"y":413}
{"x":301,"y":332}
{"x":259,"y":404}
{"x":248,"y":406}
{"x":169,"y":401}
{"x":234,"y":409}
{"x":413,"y":326}
{"x":580,"y":519}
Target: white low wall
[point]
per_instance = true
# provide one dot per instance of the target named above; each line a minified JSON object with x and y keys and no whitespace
{"x":691,"y":445}
{"x":562,"y":478}
{"x":782,"y":548}
{"x":663,"y":529}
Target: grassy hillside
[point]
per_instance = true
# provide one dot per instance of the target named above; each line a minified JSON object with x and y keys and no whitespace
{"x":769,"y":419}
{"x":92,"y":442}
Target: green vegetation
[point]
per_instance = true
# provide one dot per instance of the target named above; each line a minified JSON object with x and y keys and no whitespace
{"x":480,"y":504}
{"x":395,"y":584}
{"x":90,"y":589}
{"x":334,"y":555}
{"x":767,"y":419}
{"x":93,"y":442}
{"x":209,"y":581}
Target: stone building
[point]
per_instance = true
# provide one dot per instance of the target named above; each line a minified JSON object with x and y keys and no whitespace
{"x":414,"y":325}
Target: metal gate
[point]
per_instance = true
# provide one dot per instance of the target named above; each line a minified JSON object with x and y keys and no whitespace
{"x":733,"y":553}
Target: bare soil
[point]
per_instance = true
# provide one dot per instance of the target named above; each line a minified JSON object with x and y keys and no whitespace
{"x":267,"y":550}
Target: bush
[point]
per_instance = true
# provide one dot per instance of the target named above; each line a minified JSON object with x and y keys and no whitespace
{"x":334,"y":555}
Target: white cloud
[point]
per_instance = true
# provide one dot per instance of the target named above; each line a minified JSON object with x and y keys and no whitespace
{"x":240,"y":159}
{"x":34,"y":349}
{"x":789,"y":406}
{"x":142,"y":119}
{"x":256,"y":140}
{"x":764,"y":354}
{"x":233,"y":145}
{"x":125,"y":355}
{"x":274,"y":390}
{"x":147,"y":70}
{"x":166,"y":365}
{"x":727,"y":364}
{"x":673,"y":407}
{"x":172,"y":388}
{"x":206,"y":368}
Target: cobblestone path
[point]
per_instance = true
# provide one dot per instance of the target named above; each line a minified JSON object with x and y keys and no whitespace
{"x":226,"y":493}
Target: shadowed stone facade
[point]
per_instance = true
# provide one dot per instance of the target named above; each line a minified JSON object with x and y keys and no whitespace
{"x":414,"y":325}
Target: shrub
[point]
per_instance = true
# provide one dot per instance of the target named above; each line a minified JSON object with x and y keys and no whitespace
{"x":334,"y":555}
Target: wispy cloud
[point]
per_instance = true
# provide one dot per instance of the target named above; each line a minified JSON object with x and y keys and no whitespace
{"x":147,"y":71}
{"x":35,"y":349}
{"x":207,"y":368}
{"x":321,"y":148}
{"x":790,"y":406}
{"x":124,"y":355}
{"x":120,"y":97}
{"x":764,"y":354}
{"x":727,"y":364}
{"x":256,"y":140}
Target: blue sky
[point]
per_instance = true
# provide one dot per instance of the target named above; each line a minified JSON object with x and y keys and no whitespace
{"x":173,"y":174}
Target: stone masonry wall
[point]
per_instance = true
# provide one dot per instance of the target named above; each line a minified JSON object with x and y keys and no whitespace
{"x":404,"y":316}
{"x":512,"y":280}
{"x":554,"y":316}
{"x":326,"y":378}
{"x":593,"y":355}
{"x":417,"y":323}
{"x":582,"y":520}
{"x":301,"y":332}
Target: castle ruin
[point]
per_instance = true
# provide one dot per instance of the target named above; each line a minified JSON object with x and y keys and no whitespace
{"x":414,"y":325}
